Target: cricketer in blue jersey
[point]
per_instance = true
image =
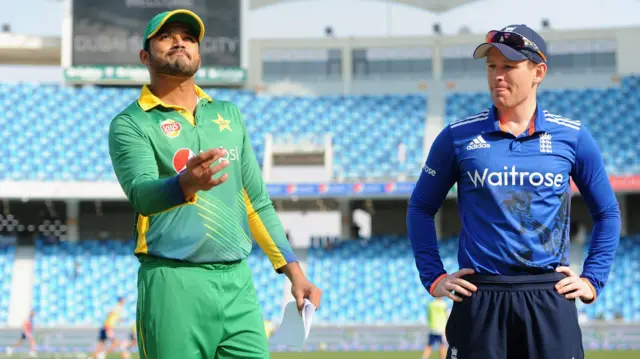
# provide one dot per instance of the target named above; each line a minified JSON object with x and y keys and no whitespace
{"x":514,"y":294}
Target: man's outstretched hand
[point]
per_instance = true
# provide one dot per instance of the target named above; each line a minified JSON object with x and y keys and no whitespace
{"x":198,"y":176}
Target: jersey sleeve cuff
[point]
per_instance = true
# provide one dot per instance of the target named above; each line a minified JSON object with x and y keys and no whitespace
{"x":279,"y":268}
{"x":593,"y":289}
{"x":435,"y":283}
{"x":176,"y":196}
{"x":172,"y":195}
{"x":289,"y":257}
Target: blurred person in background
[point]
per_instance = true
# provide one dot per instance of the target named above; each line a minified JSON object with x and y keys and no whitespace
{"x":437,"y":315}
{"x":27,"y":334}
{"x":131,"y":343}
{"x":107,"y":333}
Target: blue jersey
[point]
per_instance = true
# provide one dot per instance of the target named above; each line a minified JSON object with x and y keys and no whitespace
{"x":514,"y":196}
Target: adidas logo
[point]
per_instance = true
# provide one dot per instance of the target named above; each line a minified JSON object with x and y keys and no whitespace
{"x":478,"y":142}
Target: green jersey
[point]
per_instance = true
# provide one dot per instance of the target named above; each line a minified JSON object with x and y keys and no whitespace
{"x":437,"y":316}
{"x":150,"y":143}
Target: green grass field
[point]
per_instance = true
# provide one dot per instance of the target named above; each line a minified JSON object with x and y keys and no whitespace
{"x":371,"y":355}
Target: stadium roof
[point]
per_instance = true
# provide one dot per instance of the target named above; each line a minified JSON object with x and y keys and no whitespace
{"x":436,"y":6}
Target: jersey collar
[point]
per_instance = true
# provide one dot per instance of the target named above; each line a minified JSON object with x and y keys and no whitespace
{"x":539,"y":124}
{"x":148,"y":100}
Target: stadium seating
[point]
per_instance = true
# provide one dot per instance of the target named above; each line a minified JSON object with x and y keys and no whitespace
{"x":621,"y":295}
{"x":66,"y":129}
{"x":367,"y":278}
{"x":611,"y":113}
{"x":7,"y":255}
{"x":372,"y":282}
{"x":78,"y":283}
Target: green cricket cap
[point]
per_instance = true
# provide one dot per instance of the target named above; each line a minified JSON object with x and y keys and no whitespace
{"x":182,"y":16}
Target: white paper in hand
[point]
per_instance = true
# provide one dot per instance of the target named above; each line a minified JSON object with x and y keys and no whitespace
{"x":294,"y":328}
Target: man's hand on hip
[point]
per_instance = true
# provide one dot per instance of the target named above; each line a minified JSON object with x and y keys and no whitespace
{"x":573,"y":286}
{"x":198,"y":176}
{"x":453,"y":282}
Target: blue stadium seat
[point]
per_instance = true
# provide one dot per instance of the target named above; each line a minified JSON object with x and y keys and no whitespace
{"x":365,"y":279}
{"x":621,"y":295}
{"x":7,"y":256}
{"x":69,"y":135}
{"x":78,"y":283}
{"x":361,"y":281}
{"x":66,"y":129}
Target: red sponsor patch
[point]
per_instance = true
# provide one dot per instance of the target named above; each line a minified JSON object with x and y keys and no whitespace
{"x":180,"y":159}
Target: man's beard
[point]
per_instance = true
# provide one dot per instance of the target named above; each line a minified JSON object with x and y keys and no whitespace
{"x":180,"y":67}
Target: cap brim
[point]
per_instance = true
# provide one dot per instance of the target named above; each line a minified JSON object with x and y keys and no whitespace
{"x":186,"y":17}
{"x":508,"y":52}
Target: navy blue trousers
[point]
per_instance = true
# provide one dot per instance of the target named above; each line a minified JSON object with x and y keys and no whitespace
{"x":515,"y":317}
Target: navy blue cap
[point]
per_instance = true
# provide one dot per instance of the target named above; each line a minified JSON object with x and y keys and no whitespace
{"x":512,"y":53}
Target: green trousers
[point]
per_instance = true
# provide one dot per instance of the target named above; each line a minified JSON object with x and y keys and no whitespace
{"x":198,"y":311}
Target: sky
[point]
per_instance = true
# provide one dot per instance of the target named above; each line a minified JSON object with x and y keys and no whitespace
{"x":353,"y":18}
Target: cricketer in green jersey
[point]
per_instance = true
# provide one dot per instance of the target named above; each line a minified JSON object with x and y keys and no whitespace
{"x":186,"y":165}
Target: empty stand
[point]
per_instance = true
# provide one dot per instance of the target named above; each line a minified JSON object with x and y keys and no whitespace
{"x":61,"y":132}
{"x":621,"y":295}
{"x":7,"y":255}
{"x":377,"y":282}
{"x":67,"y":127}
{"x":363,"y":282}
{"x":373,"y":282}
{"x":78,"y":283}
